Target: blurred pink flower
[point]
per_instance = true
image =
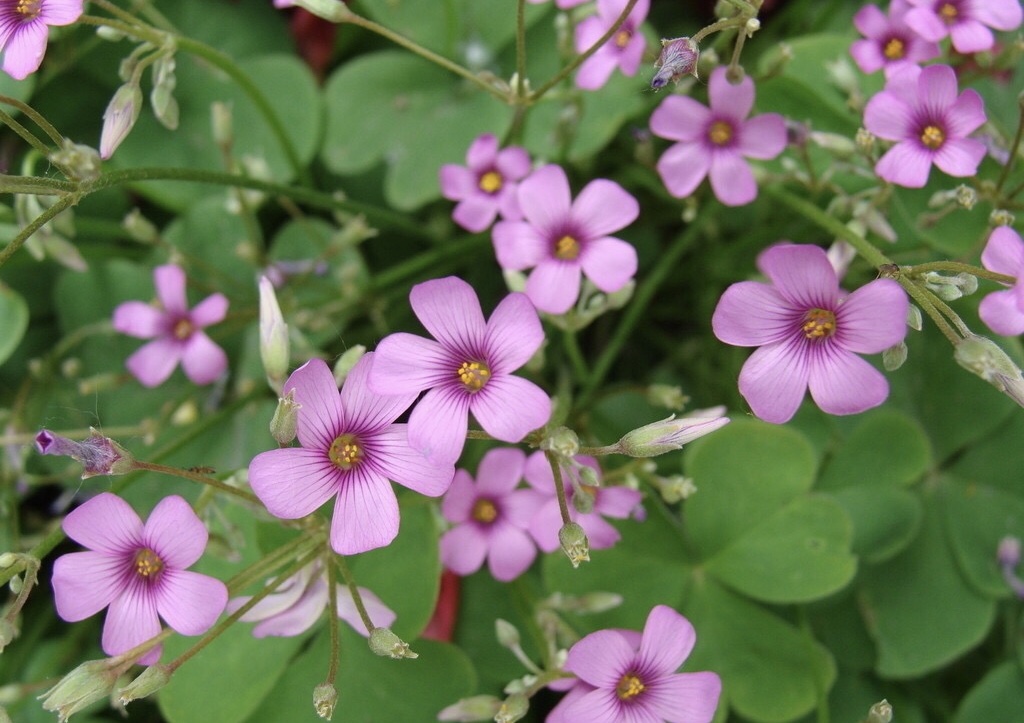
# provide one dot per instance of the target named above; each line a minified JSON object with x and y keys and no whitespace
{"x":967,"y":22}
{"x":177,"y":332}
{"x":563,"y":238}
{"x":714,"y":141}
{"x":921,"y":111}
{"x":809,"y":334}
{"x":562,"y":4}
{"x":486,"y":185}
{"x":468,"y":369}
{"x":24,"y":30}
{"x":138,"y":570}
{"x":888,"y":41}
{"x":624,"y":50}
{"x":1003,"y":311}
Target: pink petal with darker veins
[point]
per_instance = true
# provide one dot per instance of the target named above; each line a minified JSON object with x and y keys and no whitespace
{"x":399,"y":462}
{"x":905,"y":164}
{"x":685,"y":697}
{"x":24,"y":48}
{"x":450,"y":311}
{"x":774,"y":379}
{"x":802,"y":275}
{"x":406,"y":363}
{"x":510,"y":551}
{"x":752,"y":314}
{"x":365,"y":515}
{"x":320,"y":415}
{"x":175,"y":533}
{"x":872,"y":318}
{"x":86,"y":582}
{"x":131,"y":620}
{"x":380,"y":614}
{"x":601,"y":658}
{"x":731,"y":178}
{"x":60,"y":12}
{"x":364,"y":411}
{"x":438,"y":424}
{"x":680,"y":118}
{"x":294,"y":482}
{"x":603,"y":207}
{"x":843,"y":383}
{"x":105,"y":523}
{"x":609,"y":262}
{"x":514,"y":334}
{"x":189,"y":602}
{"x":960,"y":157}
{"x":554,"y":286}
{"x":511,"y":407}
{"x":544,"y":197}
{"x":668,"y":639}
{"x":1002,"y":313}
{"x":1004,"y":252}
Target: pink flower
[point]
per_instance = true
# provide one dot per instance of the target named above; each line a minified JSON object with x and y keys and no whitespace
{"x":24,"y":30}
{"x":624,"y":50}
{"x":714,"y":141}
{"x":468,"y":369}
{"x":350,"y":449}
{"x":888,"y":41}
{"x":177,"y":332}
{"x":138,"y":570}
{"x":490,"y":518}
{"x":563,"y":238}
{"x":632,"y":685}
{"x":921,"y":111}
{"x":616,"y":502}
{"x":486,"y":185}
{"x":964,"y":21}
{"x":562,"y":4}
{"x":810,"y":334}
{"x":1003,"y":311}
{"x":300,"y":601}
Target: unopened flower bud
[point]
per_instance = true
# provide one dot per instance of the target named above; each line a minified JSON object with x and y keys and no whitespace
{"x":574,"y":543}
{"x":105,"y":32}
{"x":894,"y":357}
{"x":506,"y":633}
{"x":346,"y":361}
{"x":983,"y":357}
{"x":667,"y":435}
{"x":675,"y":488}
{"x":386,"y":644}
{"x":914,"y":318}
{"x":865,"y":140}
{"x":667,"y":395}
{"x":880,"y":712}
{"x":1001,"y":217}
{"x":583,"y":497}
{"x":325,"y":697}
{"x":150,"y":681}
{"x":752,"y":26}
{"x":222,"y":124}
{"x":597,"y":602}
{"x":1008,"y":552}
{"x":8,"y":558}
{"x":161,"y":98}
{"x":512,"y":709}
{"x":678,"y":57}
{"x":97,"y":454}
{"x":588,"y":476}
{"x":82,"y":162}
{"x":8,"y":632}
{"x":469,"y":710}
{"x":966,"y":196}
{"x":286,"y":417}
{"x":83,"y":686}
{"x":563,"y":441}
{"x":274,"y":349}
{"x":120,"y":117}
{"x":140,"y":228}
{"x":839,"y":145}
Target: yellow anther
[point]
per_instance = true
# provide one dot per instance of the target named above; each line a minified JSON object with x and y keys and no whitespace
{"x":819,"y":324}
{"x":147,"y":563}
{"x":28,"y":9}
{"x":622,"y":38}
{"x":182,"y":329}
{"x":894,"y":49}
{"x":490,"y":182}
{"x":720,"y":133}
{"x":345,"y":452}
{"x":948,"y":13}
{"x":484,"y":511}
{"x":474,"y":375}
{"x":933,"y":137}
{"x":567,"y":248}
{"x":630,"y":686}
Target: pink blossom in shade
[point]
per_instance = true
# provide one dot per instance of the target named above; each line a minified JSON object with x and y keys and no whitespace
{"x":176,"y":332}
{"x":489,"y":518}
{"x":624,"y":50}
{"x":486,"y":185}
{"x":350,"y":449}
{"x":714,"y":141}
{"x":967,"y":22}
{"x":616,"y":502}
{"x":888,"y":41}
{"x":468,"y":369}
{"x":138,"y":570}
{"x":300,"y":601}
{"x":25,"y":28}
{"x":641,"y":685}
{"x":562,"y":239}
{"x":809,"y":333}
{"x":575,"y":688}
{"x":561,"y":4}
{"x":1003,"y":311}
{"x":920,"y":110}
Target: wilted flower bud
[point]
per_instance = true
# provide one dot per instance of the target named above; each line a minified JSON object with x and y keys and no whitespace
{"x":469,"y":710}
{"x":675,"y":488}
{"x":274,"y":350}
{"x":97,"y":454}
{"x":150,"y":681}
{"x":512,"y":709}
{"x":83,"y":686}
{"x":563,"y":441}
{"x":667,"y":435}
{"x":120,"y":117}
{"x":386,"y":644}
{"x":574,"y":543}
{"x":983,"y":357}
{"x":82,"y":162}
{"x":325,"y":697}
{"x":678,"y":57}
{"x":286,"y":417}
{"x":865,"y":140}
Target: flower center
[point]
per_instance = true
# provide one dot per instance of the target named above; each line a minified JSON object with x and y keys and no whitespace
{"x":819,"y":324}
{"x":345,"y":452}
{"x":933,"y":137}
{"x":622,"y":38}
{"x":720,"y":133}
{"x":567,"y":248}
{"x":474,"y":375}
{"x":484,"y":511}
{"x":630,"y":686}
{"x":490,"y":182}
{"x":148,"y":564}
{"x":28,"y":9}
{"x":948,"y":13}
{"x":894,"y":49}
{"x":182,"y":329}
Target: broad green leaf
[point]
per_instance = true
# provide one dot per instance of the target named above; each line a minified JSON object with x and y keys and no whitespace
{"x":997,"y":459}
{"x":887,"y":448}
{"x":13,"y":321}
{"x":885,"y":520}
{"x":997,"y":698}
{"x":838,"y":625}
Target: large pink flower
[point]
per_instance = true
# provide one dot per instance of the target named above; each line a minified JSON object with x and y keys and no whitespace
{"x":809,"y":334}
{"x":137,"y":569}
{"x":562,"y":239}
{"x":624,"y":50}
{"x":176,"y":332}
{"x":1003,"y":311}
{"x":967,"y":22}
{"x":888,"y":41}
{"x":350,"y":449}
{"x":24,"y":30}
{"x":714,"y":141}
{"x":486,"y":185}
{"x":921,"y":111}
{"x":467,"y":369}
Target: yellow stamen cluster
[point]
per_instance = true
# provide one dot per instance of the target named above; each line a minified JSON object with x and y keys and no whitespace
{"x":819,"y":324}
{"x":567,"y":248}
{"x":484,"y":511}
{"x":490,"y":182}
{"x":948,"y":13}
{"x":474,"y":375}
{"x":345,"y":452}
{"x":28,"y":9}
{"x":622,"y":38}
{"x":630,"y":686}
{"x":182,"y":329}
{"x":933,"y":137}
{"x":147,"y":563}
{"x":894,"y":49}
{"x":720,"y":133}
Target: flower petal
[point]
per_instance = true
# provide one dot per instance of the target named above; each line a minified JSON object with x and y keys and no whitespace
{"x":438,"y":424}
{"x":752,"y":314}
{"x":680,"y":118}
{"x":603,"y":207}
{"x":960,"y":157}
{"x":609,"y":262}
{"x":843,"y":383}
{"x":463,"y":549}
{"x":298,"y":617}
{"x":175,"y":533}
{"x":154,"y":362}
{"x":408,"y":364}
{"x":937,"y":87}
{"x":802,"y":275}
{"x":872,"y":318}
{"x":511,"y":552}
{"x":763,"y":136}
{"x":601,"y":658}
{"x":131,"y":620}
{"x":731,"y":178}
{"x":1004,"y":252}
{"x":683,"y":166}
{"x":24,"y":49}
{"x":554,"y":286}
{"x":476,"y":213}
{"x":365,"y":515}
{"x":733,"y":101}
{"x":597,"y":69}
{"x":210,"y":310}
{"x":510,"y":407}
{"x":685,"y":697}
{"x":905,"y":164}
{"x":457,"y":182}
{"x":871,"y":22}
{"x":60,"y":12}
{"x":970,"y":36}
{"x":189,"y":602}
{"x":293,"y":482}
{"x":482,"y":152}
{"x":86,"y":582}
{"x":667,"y":641}
{"x":138,"y":319}
{"x":1002,"y":313}
{"x":546,"y":523}
{"x":397,"y":461}
{"x":170,"y":288}
{"x":514,"y":334}
{"x":603,"y":706}
{"x":458,"y":501}
{"x":500,"y":470}
{"x":450,"y":311}
{"x":999,"y":14}
{"x":513,"y":163}
{"x":545,"y":199}
{"x":364,"y":411}
{"x":202,"y":360}
{"x":105,"y":523}
{"x":320,"y":415}
{"x":773,"y":380}
{"x":518,"y":245}
{"x":888,"y":116}
{"x":966,"y":115}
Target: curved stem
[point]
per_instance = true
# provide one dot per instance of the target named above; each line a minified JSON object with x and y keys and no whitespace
{"x":357,"y":598}
{"x":1014,"y":149}
{"x":36,"y":117}
{"x":25,"y":134}
{"x":196,"y":477}
{"x":579,"y":364}
{"x":49,"y":214}
{"x":957,"y":268}
{"x":556,"y":471}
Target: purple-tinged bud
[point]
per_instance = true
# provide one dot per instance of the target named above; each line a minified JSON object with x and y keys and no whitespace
{"x":678,"y":57}
{"x":468,"y":710}
{"x":150,"y":681}
{"x":669,"y":434}
{"x":97,"y":454}
{"x":1008,"y":552}
{"x":119,"y":118}
{"x":325,"y":697}
{"x":574,"y":543}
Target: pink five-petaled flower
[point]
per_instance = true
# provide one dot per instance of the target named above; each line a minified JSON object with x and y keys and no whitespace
{"x":490,"y":518}
{"x":563,"y":238}
{"x":1003,"y":311}
{"x":641,"y":685}
{"x":486,"y":185}
{"x":176,"y":332}
{"x":467,"y":369}
{"x":350,"y":449}
{"x":300,"y":601}
{"x":888,"y":41}
{"x":921,"y":111}
{"x":713,"y":141}
{"x":623,"y":51}
{"x":964,"y":21}
{"x":139,"y":570}
{"x":810,"y":334}
{"x":24,"y":30}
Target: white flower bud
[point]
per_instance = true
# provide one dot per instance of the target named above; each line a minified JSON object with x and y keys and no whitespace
{"x":119,"y":117}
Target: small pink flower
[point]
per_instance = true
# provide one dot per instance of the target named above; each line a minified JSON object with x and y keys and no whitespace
{"x":468,"y":369}
{"x":714,"y":141}
{"x":486,"y":185}
{"x":561,"y":4}
{"x":350,"y":449}
{"x":490,"y":518}
{"x":24,"y":30}
{"x":632,"y":684}
{"x":809,"y":334}
{"x":563,"y":238}
{"x":138,"y":570}
{"x":921,"y":111}
{"x":1003,"y":311}
{"x":624,"y":50}
{"x":967,"y":22}
{"x":888,"y":41}
{"x":177,"y":332}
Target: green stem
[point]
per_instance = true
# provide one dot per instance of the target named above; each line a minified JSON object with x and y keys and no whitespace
{"x":717,"y":27}
{"x":579,"y":364}
{"x":957,"y":268}
{"x":1014,"y":148}
{"x":25,"y":134}
{"x":196,"y":477}
{"x":293,"y":549}
{"x":36,"y":185}
{"x":925,"y":301}
{"x":556,"y":472}
{"x":36,"y":117}
{"x":520,"y":50}
{"x":350,"y":583}
{"x":332,"y":621}
{"x":41,"y":220}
